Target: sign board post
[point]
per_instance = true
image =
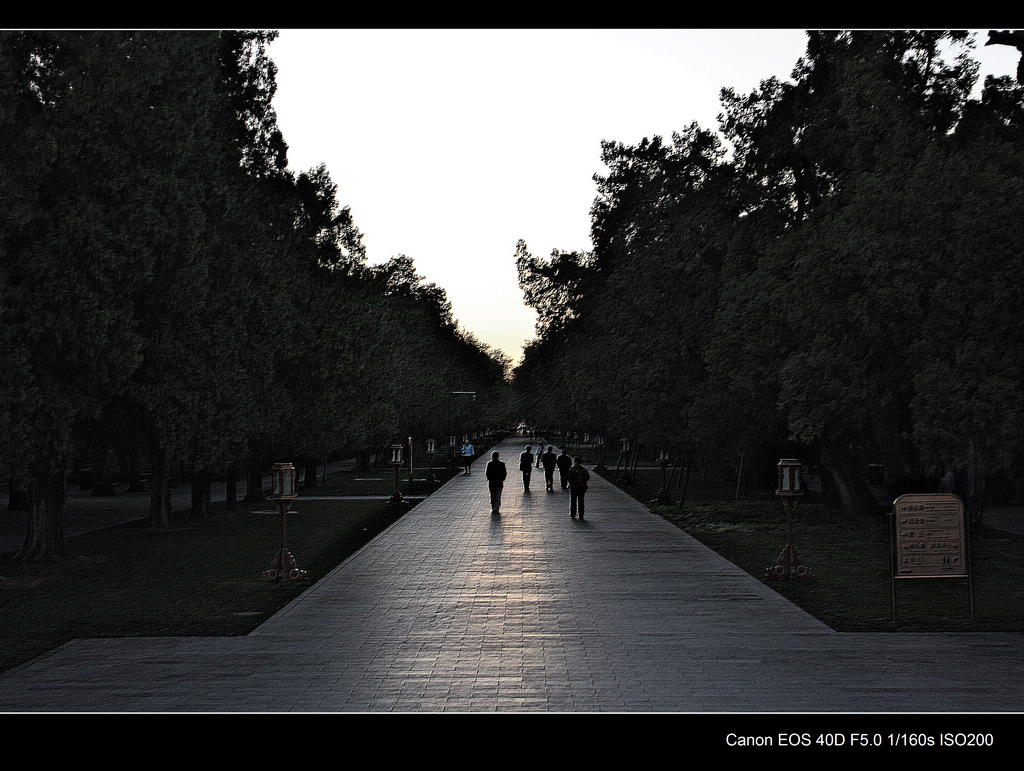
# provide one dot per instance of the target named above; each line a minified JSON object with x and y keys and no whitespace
{"x":930,"y":540}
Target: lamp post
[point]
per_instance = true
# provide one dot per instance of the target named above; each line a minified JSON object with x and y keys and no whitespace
{"x":431,"y":449}
{"x":450,"y":452}
{"x":789,"y":564}
{"x":282,"y":489}
{"x":662,"y":496}
{"x":396,"y":498}
{"x":624,"y":451}
{"x":600,"y":468}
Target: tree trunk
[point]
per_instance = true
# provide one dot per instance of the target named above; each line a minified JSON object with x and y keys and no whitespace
{"x":254,"y":475}
{"x":843,"y":479}
{"x":889,"y":424}
{"x":200,"y":484}
{"x":17,"y":496}
{"x":102,"y":473}
{"x":231,"y":488}
{"x":83,"y":474}
{"x":160,"y":490}
{"x":975,"y":502}
{"x":253,"y":484}
{"x":44,"y":538}
{"x":309,"y":476}
{"x":135,"y":484}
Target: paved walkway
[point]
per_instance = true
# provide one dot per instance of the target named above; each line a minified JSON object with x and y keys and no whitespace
{"x":453,"y":609}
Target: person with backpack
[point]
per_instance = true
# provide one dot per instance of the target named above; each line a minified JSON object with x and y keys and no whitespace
{"x":578,"y":478}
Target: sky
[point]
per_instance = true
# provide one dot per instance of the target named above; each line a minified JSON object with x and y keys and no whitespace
{"x":449,"y":146}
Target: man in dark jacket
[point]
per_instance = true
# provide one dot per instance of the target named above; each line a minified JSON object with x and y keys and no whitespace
{"x":495,"y":473}
{"x":564,"y":464}
{"x":578,"y":478}
{"x":526,"y":466}
{"x":549,"y":460}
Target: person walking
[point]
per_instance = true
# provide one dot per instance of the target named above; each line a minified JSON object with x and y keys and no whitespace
{"x":549,"y":460}
{"x":495,"y":472}
{"x":468,"y":451}
{"x":564,"y":463}
{"x":578,"y":478}
{"x":526,"y":466}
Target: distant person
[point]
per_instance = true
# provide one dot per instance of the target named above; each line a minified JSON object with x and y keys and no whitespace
{"x":549,"y":461}
{"x":564,"y":463}
{"x":468,"y":451}
{"x":578,"y":478}
{"x":526,"y":466}
{"x":495,"y":472}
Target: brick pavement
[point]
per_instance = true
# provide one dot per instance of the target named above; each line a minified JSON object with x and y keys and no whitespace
{"x":454,"y":610}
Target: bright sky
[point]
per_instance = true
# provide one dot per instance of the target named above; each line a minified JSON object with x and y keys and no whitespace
{"x":451,"y":145}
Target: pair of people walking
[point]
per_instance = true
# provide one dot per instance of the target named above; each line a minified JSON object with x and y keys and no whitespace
{"x":576,"y":478}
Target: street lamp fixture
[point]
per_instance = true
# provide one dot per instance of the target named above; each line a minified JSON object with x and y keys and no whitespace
{"x":431,"y":449}
{"x":396,"y":498}
{"x":452,"y":450}
{"x":600,"y":467}
{"x":625,"y":446}
{"x":662,"y":496}
{"x":282,"y":489}
{"x":789,"y":565}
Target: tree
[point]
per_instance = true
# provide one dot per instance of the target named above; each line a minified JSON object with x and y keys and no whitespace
{"x":839,"y":147}
{"x":812,"y":286}
{"x":626,"y":325}
{"x":64,"y":173}
{"x":967,"y":387}
{"x":124,"y":197}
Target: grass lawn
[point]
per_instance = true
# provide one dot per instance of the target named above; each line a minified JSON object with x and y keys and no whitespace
{"x":849,"y":556}
{"x":201,"y":577}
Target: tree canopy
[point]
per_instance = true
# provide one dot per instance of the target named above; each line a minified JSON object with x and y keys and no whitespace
{"x":838,"y":265}
{"x":170,"y":289}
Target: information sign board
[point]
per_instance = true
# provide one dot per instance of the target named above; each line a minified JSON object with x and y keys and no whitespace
{"x":930,"y":536}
